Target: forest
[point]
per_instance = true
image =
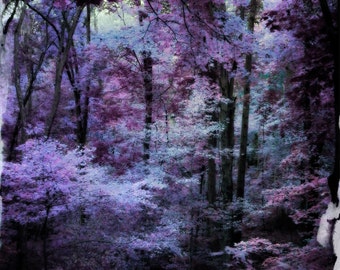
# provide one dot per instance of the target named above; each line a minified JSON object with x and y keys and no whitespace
{"x":170,"y":134}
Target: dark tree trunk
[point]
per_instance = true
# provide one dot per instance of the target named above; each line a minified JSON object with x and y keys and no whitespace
{"x":63,"y":54}
{"x":17,"y":78}
{"x":81,"y":108}
{"x":148,"y":98}
{"x":212,"y":116}
{"x":226,"y":119}
{"x":81,"y":101}
{"x":45,"y":237}
{"x":242,"y":163}
{"x":23,"y":97}
{"x":202,"y":174}
{"x":88,"y":23}
{"x":85,"y":115}
{"x":211,"y":194}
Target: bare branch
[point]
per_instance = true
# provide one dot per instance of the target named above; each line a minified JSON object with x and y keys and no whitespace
{"x":160,"y":19}
{"x":185,"y":21}
{"x":5,"y":30}
{"x":217,"y":33}
{"x":46,"y":19}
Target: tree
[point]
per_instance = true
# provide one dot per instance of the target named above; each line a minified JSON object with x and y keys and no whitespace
{"x":25,"y":57}
{"x":137,"y":171}
{"x":148,"y":97}
{"x":6,"y":57}
{"x":221,"y":68}
{"x":212,"y":117}
{"x":309,"y":99}
{"x":68,"y":22}
{"x":65,"y":39}
{"x":242,"y":162}
{"x":35,"y":191}
{"x":315,"y":89}
{"x":81,"y":96}
{"x":226,"y":119}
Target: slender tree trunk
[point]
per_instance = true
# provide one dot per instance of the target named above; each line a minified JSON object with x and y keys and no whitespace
{"x":167,"y":126}
{"x":212,"y":115}
{"x":148,"y":98}
{"x":211,"y":195}
{"x":24,"y":101}
{"x":81,"y":115}
{"x":85,"y":115}
{"x":226,"y":119}
{"x":45,"y":237}
{"x":62,"y":58}
{"x":56,"y":95}
{"x":77,"y":101}
{"x":212,"y":143}
{"x":19,"y":124}
{"x":17,"y":79}
{"x":88,"y":23}
{"x":242,"y":163}
{"x":202,"y":182}
{"x":72,"y":71}
{"x":81,"y":101}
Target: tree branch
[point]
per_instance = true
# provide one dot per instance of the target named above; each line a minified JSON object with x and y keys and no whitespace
{"x":46,"y":19}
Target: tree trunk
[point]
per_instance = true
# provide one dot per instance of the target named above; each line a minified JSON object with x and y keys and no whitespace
{"x":6,"y":59}
{"x":17,"y":79}
{"x":24,"y":101}
{"x":211,"y":194}
{"x":242,"y":163}
{"x":202,"y":182}
{"x":226,"y":119}
{"x":56,"y":95}
{"x":45,"y":237}
{"x":148,"y":98}
{"x":88,"y":23}
{"x":212,"y":116}
{"x":81,"y":101}
{"x":85,"y":115}
{"x":63,"y":52}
